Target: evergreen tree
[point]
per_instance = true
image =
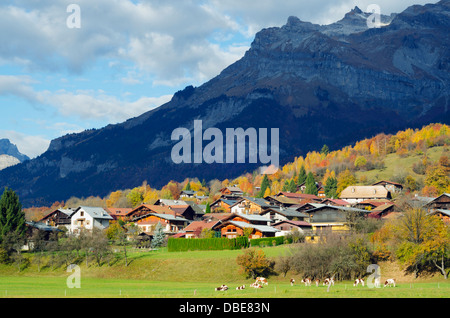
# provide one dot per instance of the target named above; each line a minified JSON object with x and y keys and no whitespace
{"x":325,"y":150}
{"x":285,"y":186}
{"x":158,"y":236}
{"x":264,"y":186}
{"x":301,"y":175}
{"x":292,"y":186}
{"x":12,"y":218}
{"x":331,"y":187}
{"x":208,"y":208}
{"x":310,"y":185}
{"x":188,"y":186}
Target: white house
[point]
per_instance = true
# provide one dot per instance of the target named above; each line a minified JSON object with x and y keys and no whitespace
{"x":88,"y":218}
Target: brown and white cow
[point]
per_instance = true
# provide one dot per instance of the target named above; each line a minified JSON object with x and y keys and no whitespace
{"x":292,"y":281}
{"x":328,"y":281}
{"x":317,"y":282}
{"x":358,"y":281}
{"x":306,"y":281}
{"x":261,"y":280}
{"x":222,"y":288}
{"x":389,"y":282}
{"x":255,"y":285}
{"x":240,"y":287}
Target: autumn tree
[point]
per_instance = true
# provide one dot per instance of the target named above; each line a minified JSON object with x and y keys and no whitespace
{"x":345,"y":179}
{"x":254,"y":263}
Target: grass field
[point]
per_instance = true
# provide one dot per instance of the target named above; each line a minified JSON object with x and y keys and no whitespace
{"x":397,"y":165}
{"x":195,"y":275}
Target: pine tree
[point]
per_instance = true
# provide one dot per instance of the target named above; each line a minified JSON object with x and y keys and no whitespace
{"x":331,"y":187}
{"x":311,"y":187}
{"x":12,"y":218}
{"x":158,"y":236}
{"x":301,"y":175}
{"x":208,"y":208}
{"x":264,"y":186}
{"x":325,"y":150}
{"x":292,"y":188}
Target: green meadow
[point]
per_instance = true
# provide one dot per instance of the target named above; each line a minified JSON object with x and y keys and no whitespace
{"x":160,"y":274}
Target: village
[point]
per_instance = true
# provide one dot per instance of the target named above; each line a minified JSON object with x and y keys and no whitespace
{"x":235,"y":215}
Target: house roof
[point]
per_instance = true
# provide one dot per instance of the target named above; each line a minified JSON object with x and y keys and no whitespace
{"x":200,"y":224}
{"x":442,"y":211}
{"x":42,"y":226}
{"x":232,"y":189}
{"x":361,"y":192}
{"x":295,"y":223}
{"x":67,"y":212}
{"x":336,"y":201}
{"x":437,"y":198}
{"x":118,"y":211}
{"x":388,"y":182}
{"x":261,"y":228}
{"x":290,"y":212}
{"x":170,"y":202}
{"x":168,"y":217}
{"x":258,"y":201}
{"x":336,"y":207}
{"x":95,"y":212}
{"x":300,"y":196}
{"x":196,"y":207}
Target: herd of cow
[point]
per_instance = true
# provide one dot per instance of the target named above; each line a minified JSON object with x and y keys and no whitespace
{"x":260,"y":281}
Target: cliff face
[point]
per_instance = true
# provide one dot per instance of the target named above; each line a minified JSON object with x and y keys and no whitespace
{"x":332,"y":85}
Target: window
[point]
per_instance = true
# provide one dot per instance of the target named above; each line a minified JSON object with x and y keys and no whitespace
{"x":81,"y":213}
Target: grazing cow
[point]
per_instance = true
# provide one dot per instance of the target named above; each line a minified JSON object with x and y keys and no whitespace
{"x":255,"y":285}
{"x":292,"y":281}
{"x":358,"y":281}
{"x":261,"y":280}
{"x":377,"y":282}
{"x":222,"y":288}
{"x":317,"y":282}
{"x":390,"y":282}
{"x":328,"y":281}
{"x":240,"y":287}
{"x":306,"y":281}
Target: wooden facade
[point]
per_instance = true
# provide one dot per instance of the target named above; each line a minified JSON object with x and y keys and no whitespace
{"x":441,"y":202}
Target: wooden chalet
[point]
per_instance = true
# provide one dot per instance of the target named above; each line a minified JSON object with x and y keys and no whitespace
{"x":222,"y":205}
{"x":235,"y":225}
{"x":340,"y":202}
{"x":282,"y":201}
{"x":393,"y":187}
{"x":232,"y":191}
{"x":287,"y":226}
{"x":277,"y":214}
{"x":330,"y":218}
{"x":249,"y":205}
{"x":59,"y":217}
{"x":356,"y":194}
{"x":119,"y":213}
{"x":443,"y":214}
{"x":383,"y":210}
{"x":148,"y":216}
{"x":194,"y":229}
{"x":442,"y":202}
{"x":302,"y":197}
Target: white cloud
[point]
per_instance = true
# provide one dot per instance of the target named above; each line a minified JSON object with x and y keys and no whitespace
{"x":32,"y":146}
{"x":96,"y":105}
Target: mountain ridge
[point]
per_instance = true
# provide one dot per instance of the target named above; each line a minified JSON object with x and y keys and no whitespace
{"x":316,"y":84}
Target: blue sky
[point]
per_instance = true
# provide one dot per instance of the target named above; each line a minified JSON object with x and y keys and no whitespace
{"x":127,"y":57}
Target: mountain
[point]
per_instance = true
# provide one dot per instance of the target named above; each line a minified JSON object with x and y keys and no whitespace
{"x":9,"y":154}
{"x":332,"y":84}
